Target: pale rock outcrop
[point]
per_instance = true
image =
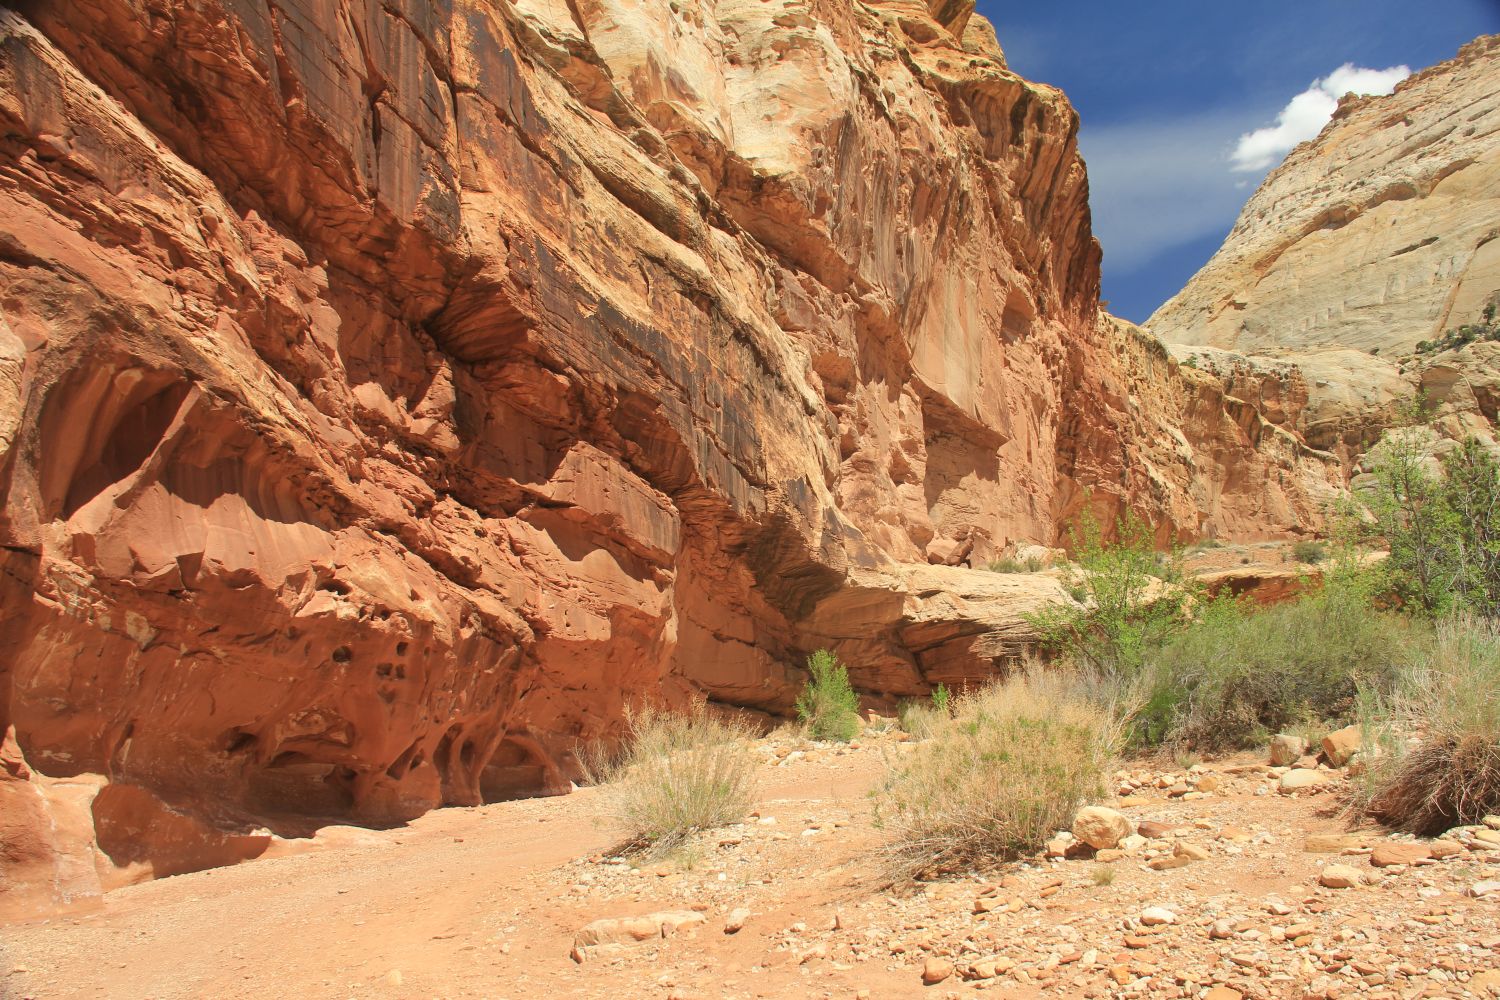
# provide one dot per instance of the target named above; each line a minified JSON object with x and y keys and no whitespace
{"x":1378,"y":234}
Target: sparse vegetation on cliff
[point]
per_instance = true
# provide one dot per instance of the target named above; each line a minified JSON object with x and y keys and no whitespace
{"x":1460,"y":337}
{"x":1031,"y":564}
{"x":1309,"y":552}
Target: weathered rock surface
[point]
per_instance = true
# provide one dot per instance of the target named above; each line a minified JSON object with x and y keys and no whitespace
{"x":1376,"y":235}
{"x":612,"y":933}
{"x":1101,"y":827}
{"x":392,"y":391}
{"x":1286,"y":748}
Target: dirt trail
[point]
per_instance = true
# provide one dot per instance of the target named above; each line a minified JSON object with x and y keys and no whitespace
{"x":432,"y":902}
{"x":486,"y":902}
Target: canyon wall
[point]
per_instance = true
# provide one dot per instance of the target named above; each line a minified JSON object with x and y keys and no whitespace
{"x":1382,"y":232}
{"x":1352,"y":259}
{"x":391,"y":391}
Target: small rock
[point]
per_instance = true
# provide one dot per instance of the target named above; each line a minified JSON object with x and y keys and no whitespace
{"x":1155,"y":916}
{"x":1101,"y":827}
{"x":1286,"y":749}
{"x":737,"y":919}
{"x":1299,"y":778}
{"x":1481,"y":889}
{"x":1389,"y":854}
{"x":1152,"y":829}
{"x":1061,"y":844}
{"x":1334,"y":843}
{"x":1339,"y":877}
{"x":935,"y":970}
{"x":1223,"y":993}
{"x":1445,"y":848}
{"x":1340,"y":745}
{"x":1190,"y":851}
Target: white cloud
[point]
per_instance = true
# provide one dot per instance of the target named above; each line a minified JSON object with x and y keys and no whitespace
{"x":1307,"y":113}
{"x":1155,"y":185}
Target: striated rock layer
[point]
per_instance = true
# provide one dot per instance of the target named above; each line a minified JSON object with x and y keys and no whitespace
{"x":1382,"y":232}
{"x":393,"y":390}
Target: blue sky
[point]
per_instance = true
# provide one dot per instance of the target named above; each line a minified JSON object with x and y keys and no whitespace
{"x":1166,"y":88}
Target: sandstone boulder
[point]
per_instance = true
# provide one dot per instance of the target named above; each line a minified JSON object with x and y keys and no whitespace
{"x":1389,"y":854}
{"x":1341,"y":745}
{"x":611,"y":933}
{"x":736,"y":920}
{"x":1300,"y":779}
{"x":1101,"y":827}
{"x":1286,"y":749}
{"x":1339,"y":877}
{"x":935,"y":970}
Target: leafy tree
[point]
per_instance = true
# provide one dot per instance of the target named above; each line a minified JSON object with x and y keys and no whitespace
{"x":1132,"y":599}
{"x":1442,"y":525}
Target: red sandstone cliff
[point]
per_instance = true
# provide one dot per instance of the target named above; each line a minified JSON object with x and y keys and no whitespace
{"x":391,"y":390}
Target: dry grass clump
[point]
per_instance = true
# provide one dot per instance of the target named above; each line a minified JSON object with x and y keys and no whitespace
{"x":1013,"y":764}
{"x":1450,"y":775}
{"x":674,"y":775}
{"x":922,"y":718}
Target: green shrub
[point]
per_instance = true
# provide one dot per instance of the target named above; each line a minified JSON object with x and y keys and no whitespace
{"x":674,"y":775}
{"x":1013,"y":764}
{"x":1006,"y":564}
{"x":1443,"y":531}
{"x":828,"y":705}
{"x":1241,"y":673}
{"x":1451,"y":703}
{"x":1133,"y":599}
{"x":1309,"y":552}
{"x":942,"y":700}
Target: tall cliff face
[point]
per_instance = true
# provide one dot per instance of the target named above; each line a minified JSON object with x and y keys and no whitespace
{"x":1382,"y":232}
{"x":392,"y":390}
{"x":1376,"y":236}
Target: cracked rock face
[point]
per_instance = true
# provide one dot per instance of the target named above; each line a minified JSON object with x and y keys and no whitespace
{"x":392,"y":391}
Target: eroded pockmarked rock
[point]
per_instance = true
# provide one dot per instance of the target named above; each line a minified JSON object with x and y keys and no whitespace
{"x":390,"y":393}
